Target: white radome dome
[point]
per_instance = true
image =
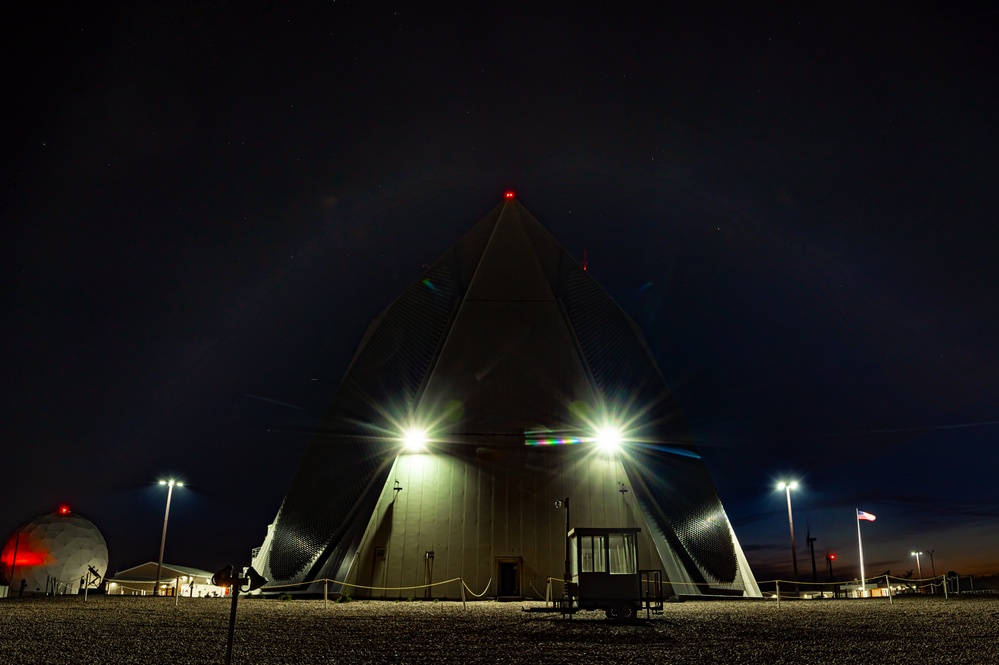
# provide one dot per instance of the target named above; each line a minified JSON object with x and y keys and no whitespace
{"x":54,"y":553}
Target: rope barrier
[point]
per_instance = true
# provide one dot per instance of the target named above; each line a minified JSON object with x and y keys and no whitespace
{"x":272,"y":587}
{"x":478,"y":595}
{"x":887,"y":585}
{"x":798,"y":587}
{"x":119,"y":585}
{"x":326,"y":581}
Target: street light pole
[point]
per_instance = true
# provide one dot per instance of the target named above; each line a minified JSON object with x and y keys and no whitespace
{"x":919,"y":569}
{"x":166,"y":517}
{"x":787,"y":487}
{"x":566,"y":575}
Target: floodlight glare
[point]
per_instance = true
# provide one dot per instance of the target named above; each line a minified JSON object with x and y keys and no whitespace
{"x":415,"y":440}
{"x":609,"y":439}
{"x":787,"y":487}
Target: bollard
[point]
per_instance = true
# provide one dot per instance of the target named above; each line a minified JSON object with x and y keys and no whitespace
{"x":463,"y":605}
{"x":777,"y":584}
{"x":891,"y":601}
{"x":326,"y":601}
{"x":225,"y":577}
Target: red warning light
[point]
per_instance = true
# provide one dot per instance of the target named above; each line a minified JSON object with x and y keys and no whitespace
{"x":64,"y":510}
{"x":509,"y":195}
{"x":832,"y":557}
{"x":25,"y":558}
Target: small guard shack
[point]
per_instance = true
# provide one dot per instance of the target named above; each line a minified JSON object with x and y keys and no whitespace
{"x":603,"y":564}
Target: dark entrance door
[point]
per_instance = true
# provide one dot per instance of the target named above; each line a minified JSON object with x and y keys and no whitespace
{"x":508,"y":576}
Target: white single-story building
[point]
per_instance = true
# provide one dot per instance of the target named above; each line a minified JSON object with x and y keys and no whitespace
{"x":139,"y":581}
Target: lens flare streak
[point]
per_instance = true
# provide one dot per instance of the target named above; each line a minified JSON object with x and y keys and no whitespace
{"x":566,"y":441}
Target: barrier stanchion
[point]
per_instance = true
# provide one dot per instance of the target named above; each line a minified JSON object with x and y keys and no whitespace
{"x":463,"y":605}
{"x":891,"y":601}
{"x":326,"y":598}
{"x":777,"y":585}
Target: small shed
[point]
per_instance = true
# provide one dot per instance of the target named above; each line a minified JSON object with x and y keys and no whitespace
{"x":603,"y":564}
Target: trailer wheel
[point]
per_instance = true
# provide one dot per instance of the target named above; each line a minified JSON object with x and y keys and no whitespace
{"x":621,"y":612}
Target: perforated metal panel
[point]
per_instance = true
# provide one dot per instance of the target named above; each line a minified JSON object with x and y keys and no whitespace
{"x":351,"y":445}
{"x":625,"y":374}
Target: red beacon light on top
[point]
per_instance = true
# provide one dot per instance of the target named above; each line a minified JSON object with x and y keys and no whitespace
{"x":64,"y":510}
{"x":509,"y":195}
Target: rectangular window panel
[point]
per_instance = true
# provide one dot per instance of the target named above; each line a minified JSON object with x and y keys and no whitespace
{"x":621,"y":552}
{"x":599,"y":554}
{"x":586,"y":554}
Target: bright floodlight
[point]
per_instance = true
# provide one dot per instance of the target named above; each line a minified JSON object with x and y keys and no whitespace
{"x":415,"y":440}
{"x":793,"y":485}
{"x":609,"y":439}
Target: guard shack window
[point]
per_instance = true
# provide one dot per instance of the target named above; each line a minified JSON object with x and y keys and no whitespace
{"x":592,"y":554}
{"x":621,"y":554}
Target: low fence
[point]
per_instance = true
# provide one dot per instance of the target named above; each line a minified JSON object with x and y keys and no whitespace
{"x":326,"y":582}
{"x":884,"y":586}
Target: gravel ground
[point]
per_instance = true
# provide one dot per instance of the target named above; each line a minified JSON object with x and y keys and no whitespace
{"x":154,"y":630}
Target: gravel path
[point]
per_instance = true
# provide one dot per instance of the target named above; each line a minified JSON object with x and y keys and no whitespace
{"x":154,"y":630}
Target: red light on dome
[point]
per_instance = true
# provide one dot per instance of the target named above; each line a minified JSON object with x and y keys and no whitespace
{"x":64,"y":510}
{"x":509,"y":195}
{"x":24,"y":558}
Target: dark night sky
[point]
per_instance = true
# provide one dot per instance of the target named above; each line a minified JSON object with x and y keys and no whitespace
{"x":203,"y":208}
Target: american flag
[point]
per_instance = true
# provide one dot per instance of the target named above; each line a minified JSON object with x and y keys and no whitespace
{"x":861,"y":515}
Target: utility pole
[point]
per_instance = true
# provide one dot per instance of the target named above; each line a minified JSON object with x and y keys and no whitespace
{"x":811,"y":548}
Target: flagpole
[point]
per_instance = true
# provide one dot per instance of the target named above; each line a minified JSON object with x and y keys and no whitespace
{"x":860,"y":544}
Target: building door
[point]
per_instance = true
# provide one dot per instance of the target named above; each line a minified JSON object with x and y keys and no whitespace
{"x":508,"y":576}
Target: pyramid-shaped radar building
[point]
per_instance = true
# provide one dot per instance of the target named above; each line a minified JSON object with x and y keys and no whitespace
{"x":477,"y":399}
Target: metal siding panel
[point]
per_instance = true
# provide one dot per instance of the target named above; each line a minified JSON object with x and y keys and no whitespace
{"x":486,"y":543}
{"x":456,"y":528}
{"x":441,"y":544}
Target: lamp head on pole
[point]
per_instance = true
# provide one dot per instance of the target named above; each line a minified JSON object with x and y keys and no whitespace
{"x":784,"y":485}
